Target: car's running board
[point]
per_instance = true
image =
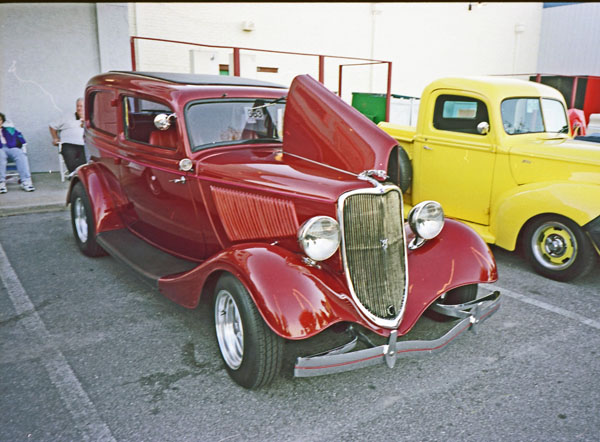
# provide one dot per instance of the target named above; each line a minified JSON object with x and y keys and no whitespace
{"x":149,"y":262}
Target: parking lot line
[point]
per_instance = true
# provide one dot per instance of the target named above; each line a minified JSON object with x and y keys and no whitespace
{"x":544,"y":305}
{"x":60,"y":372}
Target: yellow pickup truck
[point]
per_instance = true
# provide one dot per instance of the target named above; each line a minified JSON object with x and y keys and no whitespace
{"x":498,"y":155}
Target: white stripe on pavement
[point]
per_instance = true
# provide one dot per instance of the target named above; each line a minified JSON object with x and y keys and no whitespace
{"x":61,"y":374}
{"x":544,"y":305}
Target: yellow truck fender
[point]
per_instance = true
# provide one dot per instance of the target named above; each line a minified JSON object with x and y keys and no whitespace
{"x":400,"y":132}
{"x":513,"y":209}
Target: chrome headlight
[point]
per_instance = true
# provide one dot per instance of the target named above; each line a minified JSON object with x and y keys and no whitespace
{"x":426,"y":220}
{"x":319,"y":237}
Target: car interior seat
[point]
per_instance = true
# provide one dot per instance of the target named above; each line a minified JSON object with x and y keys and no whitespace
{"x":164,"y":138}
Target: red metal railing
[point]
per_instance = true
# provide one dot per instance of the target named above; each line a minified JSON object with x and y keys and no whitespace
{"x":321,"y":59}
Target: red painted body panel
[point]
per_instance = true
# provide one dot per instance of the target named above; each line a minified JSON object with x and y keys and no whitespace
{"x":104,"y":195}
{"x":456,"y":257}
{"x":321,"y":127}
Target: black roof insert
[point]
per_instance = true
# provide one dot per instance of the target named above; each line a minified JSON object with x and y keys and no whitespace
{"x":202,"y":79}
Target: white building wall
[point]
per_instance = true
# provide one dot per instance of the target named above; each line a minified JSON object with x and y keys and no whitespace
{"x":423,"y":40}
{"x":48,"y":52}
{"x":570,"y":40}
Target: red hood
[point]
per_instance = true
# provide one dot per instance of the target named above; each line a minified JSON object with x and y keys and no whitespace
{"x":321,"y":127}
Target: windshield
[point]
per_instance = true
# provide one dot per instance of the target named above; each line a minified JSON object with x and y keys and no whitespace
{"x":528,"y":115}
{"x":234,"y":122}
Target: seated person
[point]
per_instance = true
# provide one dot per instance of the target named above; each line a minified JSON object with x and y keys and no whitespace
{"x":11,"y":141}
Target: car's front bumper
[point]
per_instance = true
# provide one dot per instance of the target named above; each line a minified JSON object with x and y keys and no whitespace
{"x":344,"y":359}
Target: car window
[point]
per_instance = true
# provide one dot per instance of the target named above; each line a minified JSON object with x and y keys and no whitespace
{"x":233,"y":121}
{"x":103,"y":115}
{"x":459,"y":114}
{"x":139,"y":126}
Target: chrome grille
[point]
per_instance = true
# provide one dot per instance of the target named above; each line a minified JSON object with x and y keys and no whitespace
{"x":374,"y":251}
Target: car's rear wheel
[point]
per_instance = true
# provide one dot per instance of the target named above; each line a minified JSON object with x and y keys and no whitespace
{"x":251,"y":351}
{"x":82,"y":221}
{"x":557,"y":248}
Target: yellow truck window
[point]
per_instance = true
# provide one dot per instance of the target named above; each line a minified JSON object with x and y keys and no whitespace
{"x":459,"y":114}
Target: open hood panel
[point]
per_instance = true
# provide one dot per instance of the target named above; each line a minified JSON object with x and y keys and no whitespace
{"x":321,"y":127}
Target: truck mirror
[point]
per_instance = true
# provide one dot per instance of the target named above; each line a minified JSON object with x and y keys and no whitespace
{"x":483,"y":128}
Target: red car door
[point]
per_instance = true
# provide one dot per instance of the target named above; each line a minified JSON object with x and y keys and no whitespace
{"x":161,"y":207}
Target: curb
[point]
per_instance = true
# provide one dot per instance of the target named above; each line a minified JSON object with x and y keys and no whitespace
{"x":23,"y":210}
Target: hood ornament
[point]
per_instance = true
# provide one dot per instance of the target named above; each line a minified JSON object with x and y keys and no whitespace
{"x":367,"y":175}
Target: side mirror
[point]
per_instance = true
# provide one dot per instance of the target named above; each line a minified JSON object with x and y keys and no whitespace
{"x":163,"y":121}
{"x":483,"y":128}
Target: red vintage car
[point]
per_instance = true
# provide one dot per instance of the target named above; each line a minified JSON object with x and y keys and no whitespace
{"x":281,"y":205}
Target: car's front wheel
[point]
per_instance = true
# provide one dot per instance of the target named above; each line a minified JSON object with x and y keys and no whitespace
{"x":82,"y":221}
{"x":456,"y":296}
{"x":251,"y":351}
{"x":557,"y":248}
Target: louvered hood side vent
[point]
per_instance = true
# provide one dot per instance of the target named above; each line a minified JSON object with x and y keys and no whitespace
{"x":248,"y":216}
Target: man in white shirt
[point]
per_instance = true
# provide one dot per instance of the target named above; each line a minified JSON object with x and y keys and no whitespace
{"x":68,"y":130}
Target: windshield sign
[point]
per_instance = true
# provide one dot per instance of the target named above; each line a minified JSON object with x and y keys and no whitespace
{"x":234,"y":122}
{"x":527,"y":115}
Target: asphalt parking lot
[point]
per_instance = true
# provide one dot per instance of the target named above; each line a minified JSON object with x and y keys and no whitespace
{"x":88,"y":352}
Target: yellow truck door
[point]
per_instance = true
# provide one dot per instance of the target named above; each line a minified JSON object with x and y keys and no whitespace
{"x":455,"y":155}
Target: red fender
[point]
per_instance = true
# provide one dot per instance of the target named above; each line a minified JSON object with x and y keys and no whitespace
{"x":105,"y":195}
{"x":456,"y":257}
{"x":295,"y":300}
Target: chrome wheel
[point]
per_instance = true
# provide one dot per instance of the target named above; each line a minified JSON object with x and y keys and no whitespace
{"x":554,"y":245}
{"x":230,"y":331}
{"x":80,"y":220}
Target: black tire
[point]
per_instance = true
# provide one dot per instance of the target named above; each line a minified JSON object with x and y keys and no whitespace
{"x":254,"y":358}
{"x":557,"y":248}
{"x":82,"y":221}
{"x":459,"y":295}
{"x":400,"y":168}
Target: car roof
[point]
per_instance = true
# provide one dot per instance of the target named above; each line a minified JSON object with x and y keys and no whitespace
{"x":203,"y":79}
{"x":495,"y":88}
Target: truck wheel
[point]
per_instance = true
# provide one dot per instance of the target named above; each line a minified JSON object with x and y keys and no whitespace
{"x":459,"y":295}
{"x":82,"y":221}
{"x":251,"y":351}
{"x":557,"y":248}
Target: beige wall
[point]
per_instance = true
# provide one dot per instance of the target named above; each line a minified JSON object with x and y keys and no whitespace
{"x":423,"y":40}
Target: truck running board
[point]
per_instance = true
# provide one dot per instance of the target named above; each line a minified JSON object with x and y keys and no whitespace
{"x":148,"y":262}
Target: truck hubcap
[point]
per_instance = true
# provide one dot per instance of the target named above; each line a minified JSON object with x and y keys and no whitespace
{"x":230,"y":333}
{"x":554,"y":245}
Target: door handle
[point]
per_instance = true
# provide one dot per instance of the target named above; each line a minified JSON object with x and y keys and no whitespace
{"x":427,"y":147}
{"x":178,"y":180}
